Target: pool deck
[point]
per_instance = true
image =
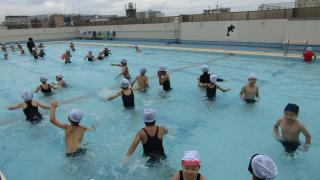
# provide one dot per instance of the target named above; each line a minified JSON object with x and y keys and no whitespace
{"x":195,"y":49}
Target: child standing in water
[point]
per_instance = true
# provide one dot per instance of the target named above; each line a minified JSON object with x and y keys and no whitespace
{"x":60,"y":82}
{"x":100,"y":56}
{"x":72,"y":47}
{"x":164,"y":78}
{"x":124,"y":69}
{"x":291,"y":129}
{"x":190,"y":167}
{"x":74,"y":132}
{"x":67,"y":57}
{"x":204,"y":79}
{"x":90,"y":57}
{"x":45,"y":87}
{"x":250,"y":92}
{"x":30,"y":107}
{"x":143,"y":81}
{"x":126,"y":94}
{"x":212,"y":87}
{"x":151,"y":138}
{"x":5,"y":56}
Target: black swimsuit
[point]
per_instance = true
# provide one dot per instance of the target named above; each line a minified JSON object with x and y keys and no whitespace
{"x":181,"y":176}
{"x":153,"y":148}
{"x":128,"y":101}
{"x":46,"y":91}
{"x":166,"y":85}
{"x":32,"y":112}
{"x":211,"y":92}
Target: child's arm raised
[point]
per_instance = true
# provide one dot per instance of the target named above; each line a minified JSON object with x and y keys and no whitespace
{"x":53,"y":119}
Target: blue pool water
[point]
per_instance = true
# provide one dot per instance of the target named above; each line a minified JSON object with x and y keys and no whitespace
{"x":226,"y":132}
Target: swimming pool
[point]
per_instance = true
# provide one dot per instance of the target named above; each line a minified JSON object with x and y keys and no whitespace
{"x":226,"y":132}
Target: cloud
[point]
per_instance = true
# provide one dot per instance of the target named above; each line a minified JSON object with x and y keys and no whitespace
{"x":108,"y":7}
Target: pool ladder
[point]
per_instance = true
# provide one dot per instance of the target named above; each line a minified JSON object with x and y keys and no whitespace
{"x":286,"y":45}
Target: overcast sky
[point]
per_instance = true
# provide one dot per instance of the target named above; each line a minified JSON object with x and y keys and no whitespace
{"x":109,"y":7}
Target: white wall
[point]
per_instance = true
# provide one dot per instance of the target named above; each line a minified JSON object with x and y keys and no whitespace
{"x":268,"y":31}
{"x":38,"y":34}
{"x":145,"y":31}
{"x":261,"y":31}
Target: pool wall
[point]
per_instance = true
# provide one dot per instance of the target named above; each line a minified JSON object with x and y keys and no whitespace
{"x":247,"y":32}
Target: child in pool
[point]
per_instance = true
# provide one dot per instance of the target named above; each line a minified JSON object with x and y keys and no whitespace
{"x":72,"y":47}
{"x":100,"y":56}
{"x":126,"y":94}
{"x":13,"y":49}
{"x":164,"y":78}
{"x":291,"y":129}
{"x":124,"y":69}
{"x":90,"y":57}
{"x":212,"y":87}
{"x":250,"y":92}
{"x":74,"y":132}
{"x":143,"y":81}
{"x":262,"y":167}
{"x":60,"y":82}
{"x":204,"y":79}
{"x":5,"y":56}
{"x":190,"y":167}
{"x":67,"y":57}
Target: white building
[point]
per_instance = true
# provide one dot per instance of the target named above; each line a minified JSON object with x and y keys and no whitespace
{"x":307,"y":3}
{"x":150,"y":14}
{"x":275,"y":6}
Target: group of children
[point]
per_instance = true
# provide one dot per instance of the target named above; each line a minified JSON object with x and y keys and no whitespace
{"x":151,"y":136}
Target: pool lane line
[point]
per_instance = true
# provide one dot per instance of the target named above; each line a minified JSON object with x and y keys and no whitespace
{"x":89,"y":94}
{"x":210,"y":50}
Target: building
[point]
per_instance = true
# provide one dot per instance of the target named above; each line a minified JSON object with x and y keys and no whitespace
{"x":149,"y":14}
{"x":56,"y":20}
{"x":2,"y":27}
{"x":216,"y":10}
{"x":307,"y":3}
{"x":130,"y":10}
{"x":18,"y":22}
{"x":275,"y":6}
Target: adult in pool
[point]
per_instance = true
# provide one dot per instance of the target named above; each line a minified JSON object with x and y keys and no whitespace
{"x":190,"y":167}
{"x":30,"y":107}
{"x":151,"y":138}
{"x":164,"y":78}
{"x":90,"y":57}
{"x":126,"y":94}
{"x":204,"y":79}
{"x":143,"y":80}
{"x":66,"y":57}
{"x":124,"y":69}
{"x":60,"y":82}
{"x":262,"y":167}
{"x":309,"y":54}
{"x":250,"y":92}
{"x":291,"y":129}
{"x":45,"y":87}
{"x":74,"y":132}
{"x":212,"y":87}
{"x":30,"y":45}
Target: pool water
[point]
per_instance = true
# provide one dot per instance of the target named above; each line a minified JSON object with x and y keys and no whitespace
{"x":225,"y":132}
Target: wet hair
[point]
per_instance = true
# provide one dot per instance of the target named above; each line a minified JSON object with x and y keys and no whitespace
{"x":73,"y":123}
{"x":150,"y":124}
{"x":125,"y":88}
{"x":30,"y":39}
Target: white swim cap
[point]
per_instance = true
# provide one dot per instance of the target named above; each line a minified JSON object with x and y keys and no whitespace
{"x":191,"y":156}
{"x":27,"y":95}
{"x":59,"y":75}
{"x":143,"y":70}
{"x":124,"y":83}
{"x":252,"y":76}
{"x":124,"y":61}
{"x":213,"y":78}
{"x":205,"y":68}
{"x":263,"y":167}
{"x":163,"y":68}
{"x":44,"y":78}
{"x":149,"y":115}
{"x":309,"y":48}
{"x":76,"y":115}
